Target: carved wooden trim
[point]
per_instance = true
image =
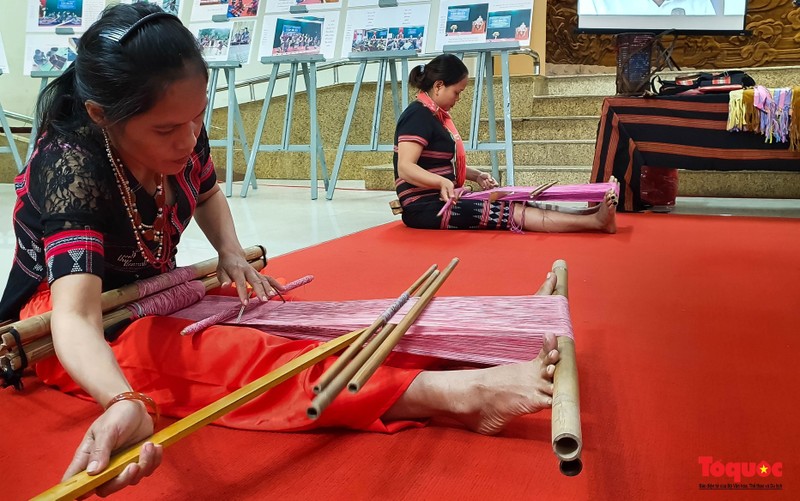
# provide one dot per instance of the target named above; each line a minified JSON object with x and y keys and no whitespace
{"x":775,"y":41}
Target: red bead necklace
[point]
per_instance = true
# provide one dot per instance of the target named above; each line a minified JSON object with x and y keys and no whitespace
{"x":141,"y":231}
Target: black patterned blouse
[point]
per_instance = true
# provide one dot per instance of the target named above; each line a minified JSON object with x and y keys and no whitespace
{"x":420,"y":204}
{"x":70,"y":217}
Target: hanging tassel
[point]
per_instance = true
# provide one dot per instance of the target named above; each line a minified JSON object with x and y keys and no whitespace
{"x":751,"y":115}
{"x":794,"y":121}
{"x":736,"y":122}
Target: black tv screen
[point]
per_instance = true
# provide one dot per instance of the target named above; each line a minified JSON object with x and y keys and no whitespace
{"x":682,"y":16}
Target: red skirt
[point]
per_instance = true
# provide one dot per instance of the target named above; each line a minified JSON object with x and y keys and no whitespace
{"x":184,"y":374}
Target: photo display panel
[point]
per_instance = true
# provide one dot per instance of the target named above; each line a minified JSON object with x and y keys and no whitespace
{"x":463,"y":22}
{"x":297,"y":34}
{"x":390,"y":28}
{"x":230,"y":41}
{"x":171,"y":6}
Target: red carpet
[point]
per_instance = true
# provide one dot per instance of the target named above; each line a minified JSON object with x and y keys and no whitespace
{"x":686,"y":331}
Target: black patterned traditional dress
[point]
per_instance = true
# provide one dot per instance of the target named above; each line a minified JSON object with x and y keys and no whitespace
{"x":421,"y":205}
{"x":70,"y":216}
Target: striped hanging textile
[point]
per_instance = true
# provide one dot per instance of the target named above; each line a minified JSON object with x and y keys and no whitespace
{"x":486,"y":330}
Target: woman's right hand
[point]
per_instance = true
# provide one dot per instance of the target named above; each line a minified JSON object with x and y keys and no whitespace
{"x":447,"y":190}
{"x":124,"y":423}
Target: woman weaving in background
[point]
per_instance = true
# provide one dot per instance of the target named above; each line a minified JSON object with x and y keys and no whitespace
{"x":430,"y":163}
{"x":122,"y":163}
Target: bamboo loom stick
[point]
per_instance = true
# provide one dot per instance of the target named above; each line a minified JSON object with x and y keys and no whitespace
{"x":42,"y":347}
{"x":566,"y":414}
{"x":332,"y":389}
{"x":39,"y":325}
{"x":83,"y":483}
{"x":379,"y":322}
{"x":371,"y":365}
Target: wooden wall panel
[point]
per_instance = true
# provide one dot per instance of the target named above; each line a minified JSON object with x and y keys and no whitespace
{"x":775,"y":40}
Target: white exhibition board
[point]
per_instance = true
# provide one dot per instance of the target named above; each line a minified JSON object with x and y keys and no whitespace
{"x":171,"y":6}
{"x":44,"y":16}
{"x":3,"y":58}
{"x":465,"y":22}
{"x":391,"y":28}
{"x":205,"y":10}
{"x":297,"y":34}
{"x":229,"y":41}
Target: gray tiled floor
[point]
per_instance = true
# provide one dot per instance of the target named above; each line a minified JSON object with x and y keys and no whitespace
{"x":281,"y":216}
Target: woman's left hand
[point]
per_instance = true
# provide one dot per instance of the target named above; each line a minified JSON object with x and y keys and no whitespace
{"x":486,"y":181}
{"x":234,"y":268}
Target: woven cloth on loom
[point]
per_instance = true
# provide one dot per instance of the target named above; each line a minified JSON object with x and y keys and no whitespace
{"x":487,"y":330}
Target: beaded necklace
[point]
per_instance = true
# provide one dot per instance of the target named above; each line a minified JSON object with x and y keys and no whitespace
{"x":141,"y":231}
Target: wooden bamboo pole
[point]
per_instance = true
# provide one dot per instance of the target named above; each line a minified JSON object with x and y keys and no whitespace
{"x":42,"y":347}
{"x":35,"y":327}
{"x":83,"y":483}
{"x":354,"y":348}
{"x":382,"y":351}
{"x":566,"y":414}
{"x":337,"y":384}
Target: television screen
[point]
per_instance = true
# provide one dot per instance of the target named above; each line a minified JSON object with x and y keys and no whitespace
{"x":684,"y":16}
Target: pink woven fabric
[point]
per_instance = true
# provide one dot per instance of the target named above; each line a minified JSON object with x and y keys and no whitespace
{"x":487,"y":330}
{"x":232,"y":311}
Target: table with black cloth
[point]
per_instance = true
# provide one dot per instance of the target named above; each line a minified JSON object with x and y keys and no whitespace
{"x":677,"y":132}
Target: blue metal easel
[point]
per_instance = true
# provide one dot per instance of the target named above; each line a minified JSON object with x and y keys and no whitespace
{"x":385,"y":60}
{"x":12,"y":145}
{"x":234,"y":119}
{"x":484,"y":77}
{"x":308,"y":65}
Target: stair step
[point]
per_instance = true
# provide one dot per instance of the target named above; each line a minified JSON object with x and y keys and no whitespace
{"x":560,"y":106}
{"x":546,"y":128}
{"x":601,"y":84}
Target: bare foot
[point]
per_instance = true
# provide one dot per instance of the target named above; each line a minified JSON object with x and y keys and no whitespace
{"x":606,"y":217}
{"x":548,"y":286}
{"x":484,"y":400}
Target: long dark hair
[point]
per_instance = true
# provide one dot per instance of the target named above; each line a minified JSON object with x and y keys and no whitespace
{"x":124,"y":64}
{"x":446,"y":67}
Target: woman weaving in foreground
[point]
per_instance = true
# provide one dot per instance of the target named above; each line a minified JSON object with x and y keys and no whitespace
{"x":122,"y":163}
{"x":430,"y":164}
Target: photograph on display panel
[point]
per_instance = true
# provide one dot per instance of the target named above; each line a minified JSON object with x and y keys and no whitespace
{"x":171,"y":6}
{"x":214,"y":38}
{"x":473,"y":23}
{"x":288,"y":35}
{"x":243,"y":8}
{"x":44,"y":16}
{"x":241,"y":42}
{"x":45,"y":52}
{"x":61,"y":13}
{"x":298,"y":36}
{"x":390,"y":28}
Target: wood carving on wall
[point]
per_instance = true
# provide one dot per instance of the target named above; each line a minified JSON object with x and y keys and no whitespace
{"x":775,"y":40}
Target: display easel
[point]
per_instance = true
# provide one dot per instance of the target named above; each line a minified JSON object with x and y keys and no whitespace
{"x":234,"y":119}
{"x":12,"y":145}
{"x":385,"y":60}
{"x":484,"y":77}
{"x":45,"y":77}
{"x":308,"y":64}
